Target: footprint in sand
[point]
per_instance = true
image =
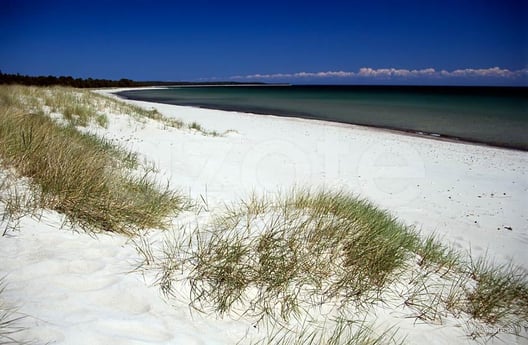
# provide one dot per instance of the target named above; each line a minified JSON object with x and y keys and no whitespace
{"x":98,"y":253}
{"x":123,"y":301}
{"x":78,"y":282}
{"x":132,"y":330}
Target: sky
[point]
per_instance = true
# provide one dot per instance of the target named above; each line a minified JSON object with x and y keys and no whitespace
{"x":448,"y":42}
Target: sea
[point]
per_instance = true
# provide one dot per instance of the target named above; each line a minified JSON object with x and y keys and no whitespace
{"x":496,"y":116}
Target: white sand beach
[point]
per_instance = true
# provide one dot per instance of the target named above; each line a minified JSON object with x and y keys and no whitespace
{"x":76,"y":288}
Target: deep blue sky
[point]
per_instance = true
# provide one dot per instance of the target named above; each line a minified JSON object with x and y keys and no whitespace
{"x":203,"y":40}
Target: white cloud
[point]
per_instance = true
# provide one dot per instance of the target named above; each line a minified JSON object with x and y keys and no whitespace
{"x":394,"y":73}
{"x":329,"y":74}
{"x":489,"y":72}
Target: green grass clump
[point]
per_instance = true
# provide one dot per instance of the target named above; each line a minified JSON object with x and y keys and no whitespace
{"x":82,"y":176}
{"x":195,"y":126}
{"x":320,"y":246}
{"x":278,"y":260}
{"x":500,"y":295}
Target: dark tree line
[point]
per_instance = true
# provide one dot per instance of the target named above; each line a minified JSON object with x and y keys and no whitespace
{"x":66,"y":81}
{"x":87,"y":83}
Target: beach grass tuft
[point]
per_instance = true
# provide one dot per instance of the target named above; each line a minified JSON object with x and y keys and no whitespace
{"x":334,"y":332}
{"x":501,"y":293}
{"x":80,"y":107}
{"x":316,"y":245}
{"x":285,"y":258}
{"x":81,"y":175}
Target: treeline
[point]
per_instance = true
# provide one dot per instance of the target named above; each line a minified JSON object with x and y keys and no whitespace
{"x":89,"y":82}
{"x":67,"y":81}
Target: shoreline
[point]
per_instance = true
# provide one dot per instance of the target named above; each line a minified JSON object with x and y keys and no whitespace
{"x":456,"y":191}
{"x":299,"y":115}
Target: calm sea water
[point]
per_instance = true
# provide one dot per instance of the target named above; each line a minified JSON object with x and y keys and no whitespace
{"x":495,"y":116}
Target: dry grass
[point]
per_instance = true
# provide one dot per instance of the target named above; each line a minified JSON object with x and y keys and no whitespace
{"x":312,"y":247}
{"x":339,"y":331}
{"x":500,"y":295}
{"x":141,"y":113}
{"x":280,"y":260}
{"x":80,"y":107}
{"x":80,"y":175}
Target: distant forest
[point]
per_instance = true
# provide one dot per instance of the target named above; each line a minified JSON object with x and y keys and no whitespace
{"x":89,"y":82}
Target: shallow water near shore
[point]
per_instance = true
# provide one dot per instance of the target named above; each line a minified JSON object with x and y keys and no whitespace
{"x":489,"y":115}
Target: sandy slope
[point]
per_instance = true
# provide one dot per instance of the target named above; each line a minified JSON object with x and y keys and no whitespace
{"x":78,"y":290}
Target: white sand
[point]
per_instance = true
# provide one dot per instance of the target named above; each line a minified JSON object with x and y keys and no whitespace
{"x":77,"y":289}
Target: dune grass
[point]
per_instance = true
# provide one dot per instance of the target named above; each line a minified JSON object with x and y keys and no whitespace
{"x":78,"y":174}
{"x":322,"y":246}
{"x":339,"y":331}
{"x":500,"y":294}
{"x":76,"y":107}
{"x":141,"y":113}
{"x":81,"y":107}
{"x":287,"y":258}
{"x":8,"y":321}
